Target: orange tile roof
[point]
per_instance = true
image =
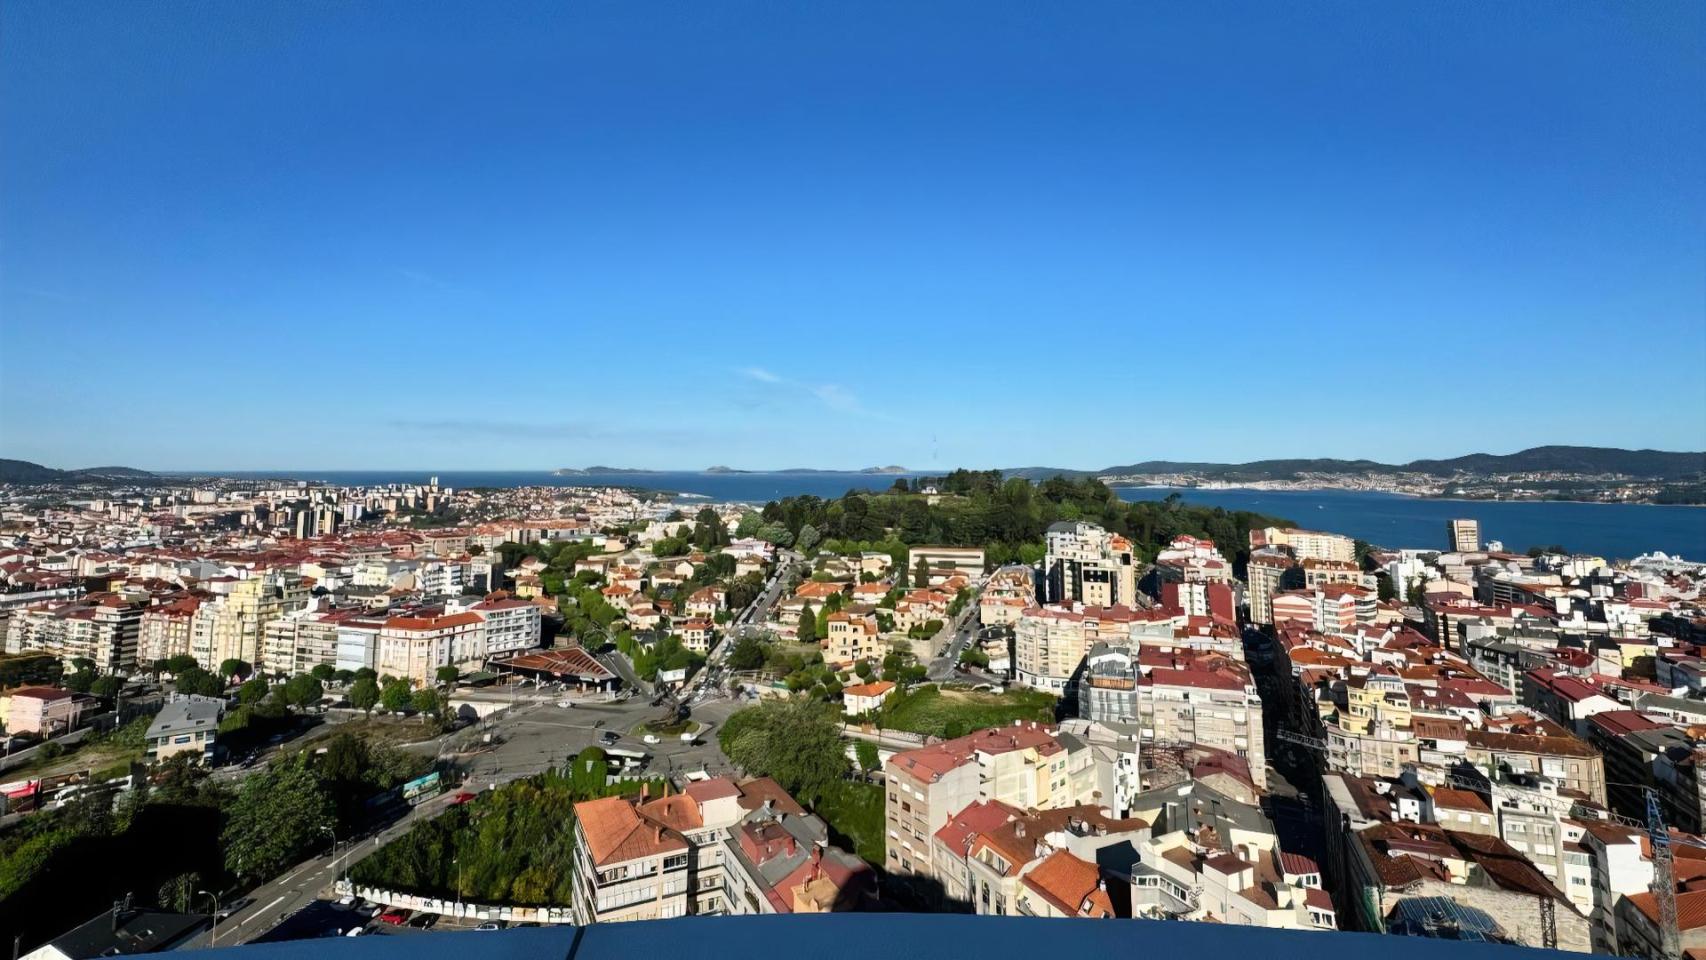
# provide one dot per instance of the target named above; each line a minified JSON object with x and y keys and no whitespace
{"x":615,"y":832}
{"x":1071,"y":885}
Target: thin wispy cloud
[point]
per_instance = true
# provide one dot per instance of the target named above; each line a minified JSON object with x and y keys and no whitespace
{"x":832,"y":395}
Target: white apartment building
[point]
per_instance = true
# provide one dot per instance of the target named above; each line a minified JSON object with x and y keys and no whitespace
{"x":1027,"y":766}
{"x":1086,"y":564}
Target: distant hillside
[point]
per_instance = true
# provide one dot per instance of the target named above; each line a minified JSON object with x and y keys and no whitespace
{"x":1643,"y":464}
{"x":1656,"y":464}
{"x":23,"y":471}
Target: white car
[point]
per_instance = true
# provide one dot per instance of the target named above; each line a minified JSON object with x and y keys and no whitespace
{"x":651,"y":738}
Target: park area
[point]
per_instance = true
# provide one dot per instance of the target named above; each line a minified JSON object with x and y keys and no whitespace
{"x":947,"y":711}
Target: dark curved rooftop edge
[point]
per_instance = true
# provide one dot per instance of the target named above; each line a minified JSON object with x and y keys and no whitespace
{"x":865,"y":936}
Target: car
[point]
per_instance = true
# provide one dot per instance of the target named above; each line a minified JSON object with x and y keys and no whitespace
{"x":609,"y":738}
{"x":354,"y":932}
{"x":566,"y":704}
{"x":651,"y":738}
{"x":347,"y":902}
{"x":461,"y":798}
{"x":395,"y":918}
{"x":489,"y":925}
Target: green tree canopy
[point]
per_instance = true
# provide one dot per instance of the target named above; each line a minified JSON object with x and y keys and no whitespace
{"x":797,"y":742}
{"x":364,"y":694}
{"x":279,"y":814}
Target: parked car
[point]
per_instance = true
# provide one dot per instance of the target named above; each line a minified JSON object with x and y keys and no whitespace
{"x":395,"y":918}
{"x":489,"y":925}
{"x":348,"y":902}
{"x":651,"y":738}
{"x":608,"y":738}
{"x":461,"y":798}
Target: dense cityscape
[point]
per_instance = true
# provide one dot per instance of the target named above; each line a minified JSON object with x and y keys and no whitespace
{"x":965,"y":480}
{"x":265,"y":710}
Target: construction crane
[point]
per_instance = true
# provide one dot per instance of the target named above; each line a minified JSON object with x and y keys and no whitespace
{"x":1664,"y":878}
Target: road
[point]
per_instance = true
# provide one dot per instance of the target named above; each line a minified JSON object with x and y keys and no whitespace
{"x":277,"y":899}
{"x":709,"y":682}
{"x":960,"y":632}
{"x":526,"y":739}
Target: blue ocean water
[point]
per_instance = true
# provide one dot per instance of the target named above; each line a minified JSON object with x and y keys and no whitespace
{"x":1612,"y":530}
{"x":741,"y":487}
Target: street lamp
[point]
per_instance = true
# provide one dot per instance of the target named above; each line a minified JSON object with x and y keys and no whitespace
{"x":334,"y":834}
{"x":213,"y":935}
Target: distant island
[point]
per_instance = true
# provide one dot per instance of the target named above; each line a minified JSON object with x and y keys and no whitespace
{"x":25,"y":472}
{"x":1594,"y":474}
{"x":595,"y":471}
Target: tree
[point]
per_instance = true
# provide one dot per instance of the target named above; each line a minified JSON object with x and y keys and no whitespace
{"x":1383,"y":587}
{"x":807,"y":538}
{"x":199,"y":682}
{"x":590,"y":772}
{"x":82,"y":681}
{"x":241,"y":669}
{"x":921,"y":573}
{"x":1416,"y":592}
{"x":364,"y":694}
{"x":808,"y":626}
{"x":180,"y":663}
{"x":448,"y":674}
{"x":252,"y":691}
{"x":395,"y":696}
{"x":106,"y":687}
{"x":278,"y":814}
{"x":797,"y":742}
{"x":748,"y":654}
{"x":178,"y":894}
{"x":427,"y":700}
{"x":867,"y":753}
{"x":323,"y":672}
{"x":303,"y":691}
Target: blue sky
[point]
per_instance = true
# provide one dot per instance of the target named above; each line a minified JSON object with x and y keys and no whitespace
{"x":507,"y":235}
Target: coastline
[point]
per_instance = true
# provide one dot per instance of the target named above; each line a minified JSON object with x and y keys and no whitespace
{"x":1244,"y":488}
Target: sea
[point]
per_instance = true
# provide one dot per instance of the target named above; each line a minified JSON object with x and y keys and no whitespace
{"x":722,"y":487}
{"x":1613,"y":530}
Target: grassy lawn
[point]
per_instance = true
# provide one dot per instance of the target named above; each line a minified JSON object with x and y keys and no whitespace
{"x":952,"y":712}
{"x":854,"y":812}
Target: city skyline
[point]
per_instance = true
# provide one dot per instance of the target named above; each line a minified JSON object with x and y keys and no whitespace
{"x":667,"y":241}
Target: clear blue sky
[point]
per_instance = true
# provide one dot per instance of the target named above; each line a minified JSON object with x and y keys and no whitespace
{"x":510,"y":235}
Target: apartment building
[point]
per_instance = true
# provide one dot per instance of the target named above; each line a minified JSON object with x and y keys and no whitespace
{"x":101,"y":627}
{"x":48,"y":711}
{"x":1205,"y":699}
{"x":509,"y":626}
{"x":414,"y":647}
{"x":944,"y":562}
{"x":1464,"y":535}
{"x":1269,"y":572}
{"x":164,"y":630}
{"x":715,"y":848}
{"x":1318,"y":573}
{"x":1086,"y":564}
{"x":230,"y":626}
{"x":992,"y":855}
{"x":852,"y":637}
{"x":1306,"y":544}
{"x":1024,"y":765}
{"x":1050,"y":642}
{"x":1010,"y":591}
{"x":1191,"y":560}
